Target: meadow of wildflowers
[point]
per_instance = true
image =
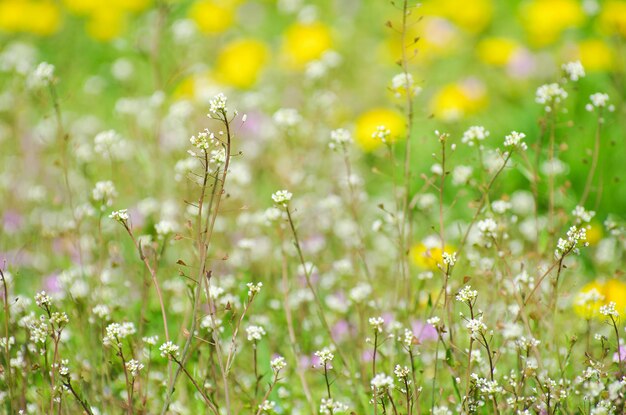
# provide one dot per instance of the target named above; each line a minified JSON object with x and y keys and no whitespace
{"x":312,"y":207}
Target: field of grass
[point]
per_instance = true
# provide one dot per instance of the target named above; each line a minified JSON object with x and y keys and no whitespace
{"x":312,"y":207}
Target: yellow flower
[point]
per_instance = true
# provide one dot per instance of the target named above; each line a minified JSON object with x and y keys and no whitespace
{"x":595,"y":55}
{"x":588,"y":300}
{"x":82,"y":7}
{"x":240,"y":62}
{"x":106,"y":24}
{"x":37,"y":17}
{"x":592,"y":296}
{"x":470,"y":15}
{"x":594,"y":233}
{"x":545,"y":20}
{"x":367,"y":123}
{"x":305,"y":42}
{"x":613,"y":17}
{"x":455,"y":101}
{"x":497,"y":51}
{"x":130,"y":5}
{"x":213,"y":16}
{"x":427,"y":257}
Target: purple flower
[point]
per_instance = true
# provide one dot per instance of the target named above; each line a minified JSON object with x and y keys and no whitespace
{"x":424,"y":332}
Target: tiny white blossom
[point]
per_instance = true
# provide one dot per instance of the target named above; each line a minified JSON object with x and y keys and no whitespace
{"x":253,"y":288}
{"x":134,"y":367}
{"x":574,"y":70}
{"x":381,"y":133}
{"x":325,"y":355}
{"x":377,"y":323}
{"x":550,"y":94}
{"x":515,"y":139}
{"x":609,"y":310}
{"x":168,"y":349}
{"x":381,"y":382}
{"x":255,"y":333}
{"x":119,"y":215}
{"x":282,"y":197}
{"x":277,"y":364}
{"x":403,"y":83}
{"x":42,"y":76}
{"x":474,"y":134}
{"x":217,"y":105}
{"x":339,"y":138}
{"x":42,"y":299}
{"x":466,"y":295}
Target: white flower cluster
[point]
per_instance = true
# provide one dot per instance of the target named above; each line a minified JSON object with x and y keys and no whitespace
{"x":476,"y":327}
{"x":115,"y":332}
{"x":203,"y":140}
{"x":573,"y":70}
{"x":287,"y":117}
{"x":609,"y":310}
{"x":134,"y":366}
{"x":381,"y":133}
{"x":466,"y":295}
{"x":599,"y":100}
{"x":168,"y":349}
{"x":549,"y":94}
{"x":277,"y":364}
{"x":474,"y":134}
{"x":403,"y":83}
{"x":570,"y":244}
{"x":339,"y":138}
{"x":449,"y":259}
{"x":42,"y":299}
{"x":282,"y":197}
{"x":486,"y":387}
{"x":254,"y":289}
{"x":402,"y":372}
{"x":217,"y":105}
{"x":165,"y":227}
{"x":325,"y":355}
{"x":42,"y":76}
{"x":119,"y":215}
{"x":267,"y":406}
{"x":377,"y":323}
{"x":104,"y":192}
{"x":381,"y":383}
{"x":488,"y":229}
{"x":255,"y":333}
{"x":111,"y":144}
{"x":583,"y":215}
{"x":330,"y":406}
{"x":515,"y":139}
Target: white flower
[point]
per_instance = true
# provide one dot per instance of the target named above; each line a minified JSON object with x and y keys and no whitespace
{"x":165,"y":227}
{"x":255,"y":333}
{"x":104,"y":192}
{"x":574,"y":70}
{"x":168,"y":349}
{"x":461,"y":175}
{"x":325,"y":355}
{"x":267,"y":406}
{"x":134,"y":367}
{"x":381,"y":133}
{"x":449,"y":259}
{"x":402,"y":372}
{"x":570,"y":244}
{"x":474,"y":134}
{"x":253,"y":288}
{"x":476,"y":327}
{"x":330,"y":406}
{"x":403,"y":82}
{"x":119,"y":215}
{"x":487,"y":228}
{"x":609,"y":310}
{"x":599,"y":100}
{"x":115,"y":332}
{"x":515,"y":140}
{"x":42,"y":299}
{"x":339,"y":138}
{"x":42,"y":76}
{"x":583,"y":215}
{"x":277,"y":364}
{"x":282,"y":197}
{"x":287,"y":117}
{"x":111,"y":144}
{"x":217,"y":105}
{"x":434,"y":321}
{"x":381,"y":382}
{"x":203,"y":140}
{"x":550,"y":94}
{"x":466,"y":295}
{"x":377,"y":323}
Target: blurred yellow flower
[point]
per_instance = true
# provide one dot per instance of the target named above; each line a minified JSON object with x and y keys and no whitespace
{"x":545,"y":20}
{"x":497,"y":51}
{"x":305,"y":42}
{"x":438,"y":37}
{"x":41,"y":18}
{"x":368,"y":122}
{"x":106,"y":24}
{"x":240,"y":62}
{"x":470,"y":15}
{"x":82,"y":7}
{"x":427,"y":257}
{"x":613,"y":17}
{"x":129,"y":5}
{"x":213,"y":16}
{"x":595,"y":55}
{"x":592,"y":296}
{"x":457,"y":100}
{"x":594,"y":233}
